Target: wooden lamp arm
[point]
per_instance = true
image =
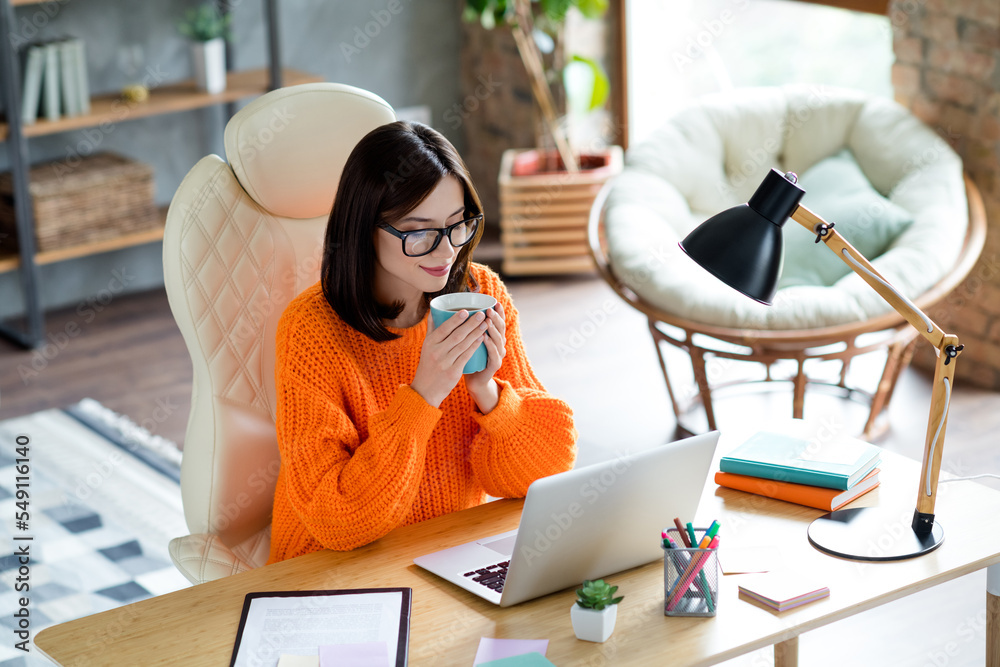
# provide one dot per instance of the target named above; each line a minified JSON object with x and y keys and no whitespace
{"x":861,"y":266}
{"x":946,"y":345}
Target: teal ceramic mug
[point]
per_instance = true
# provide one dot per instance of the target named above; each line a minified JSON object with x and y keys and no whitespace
{"x":446,"y":305}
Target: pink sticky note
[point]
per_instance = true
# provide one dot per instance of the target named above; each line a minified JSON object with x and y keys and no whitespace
{"x":371,"y":654}
{"x":495,"y":649}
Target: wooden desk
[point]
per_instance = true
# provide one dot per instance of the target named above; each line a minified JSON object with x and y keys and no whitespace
{"x":197,"y":626}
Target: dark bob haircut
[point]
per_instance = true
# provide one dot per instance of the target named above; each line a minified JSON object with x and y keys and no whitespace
{"x":388,"y":174}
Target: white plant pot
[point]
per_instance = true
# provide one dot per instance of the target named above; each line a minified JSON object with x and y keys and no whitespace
{"x":591,"y":625}
{"x":209,"y":60}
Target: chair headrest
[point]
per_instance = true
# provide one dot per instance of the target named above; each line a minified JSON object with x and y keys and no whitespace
{"x":274,"y":149}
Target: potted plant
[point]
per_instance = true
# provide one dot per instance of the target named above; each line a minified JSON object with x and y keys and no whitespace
{"x":208,"y":29}
{"x":595,"y":611}
{"x":537,"y":25}
{"x":545,"y":196}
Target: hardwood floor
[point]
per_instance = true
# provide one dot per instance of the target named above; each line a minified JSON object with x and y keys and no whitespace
{"x":129,"y":356}
{"x":592,"y":350}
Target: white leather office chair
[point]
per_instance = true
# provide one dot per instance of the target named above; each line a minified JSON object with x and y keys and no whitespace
{"x":241,"y":240}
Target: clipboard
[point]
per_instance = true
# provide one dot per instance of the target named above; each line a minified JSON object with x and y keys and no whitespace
{"x":277,"y":622}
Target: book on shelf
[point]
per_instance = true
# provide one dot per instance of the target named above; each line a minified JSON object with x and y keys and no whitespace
{"x":835,"y":462}
{"x":31,"y":93}
{"x":782,"y":591}
{"x":51,"y":86}
{"x":55,"y":80}
{"x":82,"y":81}
{"x":67,"y":77}
{"x":821,"y":498}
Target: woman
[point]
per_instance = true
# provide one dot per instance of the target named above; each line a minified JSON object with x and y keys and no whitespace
{"x":377,"y":426}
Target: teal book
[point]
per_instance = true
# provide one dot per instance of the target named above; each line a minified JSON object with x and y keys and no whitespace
{"x":835,"y":464}
{"x":31,"y":96}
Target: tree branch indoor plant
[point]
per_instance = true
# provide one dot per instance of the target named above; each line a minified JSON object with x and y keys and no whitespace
{"x":545,"y":196}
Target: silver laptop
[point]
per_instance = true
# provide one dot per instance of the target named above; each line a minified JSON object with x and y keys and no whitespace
{"x":583,"y":524}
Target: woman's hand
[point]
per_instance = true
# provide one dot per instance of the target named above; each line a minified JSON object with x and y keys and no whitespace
{"x":444,"y":353}
{"x":482,"y":387}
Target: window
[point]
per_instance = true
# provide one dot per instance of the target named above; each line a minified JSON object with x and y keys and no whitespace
{"x":681,"y":49}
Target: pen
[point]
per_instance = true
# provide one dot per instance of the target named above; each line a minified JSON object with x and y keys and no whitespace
{"x":702,"y":579}
{"x":709,"y":534}
{"x":693,"y":540}
{"x":680,"y":531}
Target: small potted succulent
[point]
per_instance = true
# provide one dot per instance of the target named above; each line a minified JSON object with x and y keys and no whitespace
{"x":595,"y":611}
{"x":208,"y":30}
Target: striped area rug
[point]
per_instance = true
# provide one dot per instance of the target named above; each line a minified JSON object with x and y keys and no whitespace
{"x":102,"y":502}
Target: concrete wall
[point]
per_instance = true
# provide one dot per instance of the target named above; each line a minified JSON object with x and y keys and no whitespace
{"x":404,"y":51}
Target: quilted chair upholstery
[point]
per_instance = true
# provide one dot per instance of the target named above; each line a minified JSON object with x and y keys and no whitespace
{"x":241,"y":240}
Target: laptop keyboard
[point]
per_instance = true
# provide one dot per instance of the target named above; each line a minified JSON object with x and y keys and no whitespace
{"x":491,"y":576}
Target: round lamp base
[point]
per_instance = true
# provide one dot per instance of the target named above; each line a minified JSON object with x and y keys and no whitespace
{"x":872,"y":533}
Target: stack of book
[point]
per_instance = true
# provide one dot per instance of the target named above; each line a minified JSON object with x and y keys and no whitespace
{"x":822,"y":474}
{"x":55,"y":82}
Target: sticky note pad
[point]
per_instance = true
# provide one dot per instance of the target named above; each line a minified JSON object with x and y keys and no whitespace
{"x":370,"y":654}
{"x":533,"y":659}
{"x":491,"y":649}
{"x":298,"y":661}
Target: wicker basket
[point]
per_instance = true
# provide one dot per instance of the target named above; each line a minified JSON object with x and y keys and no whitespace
{"x":101,"y":197}
{"x":543,"y":214}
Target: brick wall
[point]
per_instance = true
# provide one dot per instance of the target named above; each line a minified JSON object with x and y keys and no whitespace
{"x":947,"y":72}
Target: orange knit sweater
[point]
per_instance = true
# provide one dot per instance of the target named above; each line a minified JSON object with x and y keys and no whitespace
{"x":362,"y":453}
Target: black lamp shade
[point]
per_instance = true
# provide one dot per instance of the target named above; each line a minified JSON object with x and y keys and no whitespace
{"x":742,"y":245}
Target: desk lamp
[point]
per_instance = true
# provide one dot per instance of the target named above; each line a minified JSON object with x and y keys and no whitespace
{"x":742,"y":247}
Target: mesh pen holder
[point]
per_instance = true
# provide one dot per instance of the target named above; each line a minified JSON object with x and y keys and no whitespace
{"x":690,"y":578}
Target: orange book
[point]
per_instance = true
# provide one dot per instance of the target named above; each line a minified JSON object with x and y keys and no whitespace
{"x":811,"y":496}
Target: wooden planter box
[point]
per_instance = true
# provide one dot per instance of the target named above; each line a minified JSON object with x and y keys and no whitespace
{"x":543,"y":214}
{"x":100,"y":197}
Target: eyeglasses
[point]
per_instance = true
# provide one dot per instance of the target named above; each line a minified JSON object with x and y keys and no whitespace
{"x":423,"y":241}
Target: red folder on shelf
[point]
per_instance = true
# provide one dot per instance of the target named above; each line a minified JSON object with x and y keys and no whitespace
{"x":802,"y":494}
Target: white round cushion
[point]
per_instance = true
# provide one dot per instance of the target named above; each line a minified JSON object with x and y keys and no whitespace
{"x":715,"y":153}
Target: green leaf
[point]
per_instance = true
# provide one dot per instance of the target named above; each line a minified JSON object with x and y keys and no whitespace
{"x":555,"y":10}
{"x":601,"y":86}
{"x":592,"y":9}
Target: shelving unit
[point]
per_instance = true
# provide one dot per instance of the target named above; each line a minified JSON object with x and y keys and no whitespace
{"x":108,"y":108}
